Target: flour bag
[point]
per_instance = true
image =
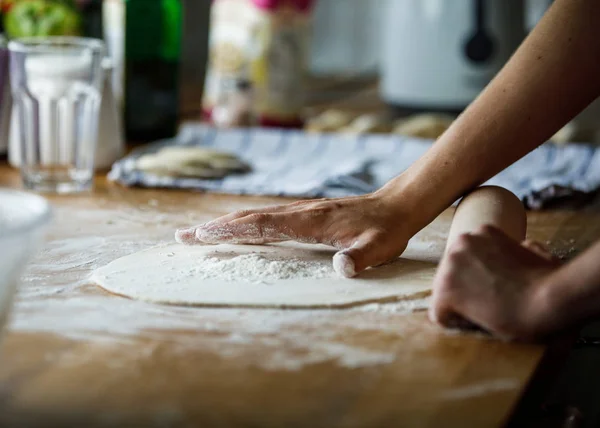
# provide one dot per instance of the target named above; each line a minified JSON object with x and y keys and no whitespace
{"x":261,"y":44}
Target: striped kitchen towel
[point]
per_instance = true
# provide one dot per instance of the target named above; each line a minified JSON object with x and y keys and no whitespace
{"x":300,"y":165}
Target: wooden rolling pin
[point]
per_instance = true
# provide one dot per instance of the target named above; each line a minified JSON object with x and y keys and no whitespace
{"x":489,"y":205}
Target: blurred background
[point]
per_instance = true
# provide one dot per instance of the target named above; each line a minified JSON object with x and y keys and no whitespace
{"x":361,"y":66}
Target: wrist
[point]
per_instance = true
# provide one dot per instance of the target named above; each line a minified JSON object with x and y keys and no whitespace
{"x":397,"y":199}
{"x":551,"y":305}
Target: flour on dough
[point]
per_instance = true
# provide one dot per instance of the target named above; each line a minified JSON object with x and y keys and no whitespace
{"x":281,"y":275}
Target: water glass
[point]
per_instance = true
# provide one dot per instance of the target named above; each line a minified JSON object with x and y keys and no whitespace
{"x":57,"y":85}
{"x":5,"y":100}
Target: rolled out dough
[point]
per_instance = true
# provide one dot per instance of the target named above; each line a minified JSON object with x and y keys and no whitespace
{"x":186,"y":275}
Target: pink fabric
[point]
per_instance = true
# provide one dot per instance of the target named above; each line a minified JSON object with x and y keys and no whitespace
{"x":264,"y":121}
{"x":271,"y":122}
{"x":301,"y":5}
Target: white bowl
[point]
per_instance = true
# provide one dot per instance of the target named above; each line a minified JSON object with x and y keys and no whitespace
{"x":23,"y":218}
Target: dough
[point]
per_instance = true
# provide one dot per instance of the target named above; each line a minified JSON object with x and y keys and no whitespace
{"x":368,"y":124}
{"x":329,"y":121}
{"x":428,"y":126}
{"x":281,"y":275}
{"x":183,"y":161}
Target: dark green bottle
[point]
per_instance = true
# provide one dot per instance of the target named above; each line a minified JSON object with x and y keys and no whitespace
{"x":144,"y":40}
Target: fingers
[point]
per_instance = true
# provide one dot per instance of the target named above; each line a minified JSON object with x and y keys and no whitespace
{"x":243,"y":213}
{"x":442,"y":310}
{"x":539,"y":249}
{"x":256,"y":228}
{"x":186,"y":236}
{"x":193,"y":235}
{"x":446,"y":317}
{"x":448,"y":300}
{"x":445,"y":309}
{"x":209,"y":230}
{"x":369,"y":250}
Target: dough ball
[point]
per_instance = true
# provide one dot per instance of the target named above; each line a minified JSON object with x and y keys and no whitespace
{"x":427,"y":126}
{"x":329,"y":121}
{"x":368,"y":124}
{"x":574,"y":132}
{"x":198,"y":162}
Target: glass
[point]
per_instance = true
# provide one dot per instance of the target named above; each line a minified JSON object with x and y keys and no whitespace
{"x":5,"y":100}
{"x":56,"y":84}
{"x":143,"y":38}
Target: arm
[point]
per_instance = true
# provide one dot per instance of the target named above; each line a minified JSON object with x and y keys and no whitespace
{"x":571,"y":295}
{"x":553,"y":75}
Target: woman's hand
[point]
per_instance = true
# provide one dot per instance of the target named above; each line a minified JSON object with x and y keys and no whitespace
{"x":494,"y":282}
{"x":367,"y":230}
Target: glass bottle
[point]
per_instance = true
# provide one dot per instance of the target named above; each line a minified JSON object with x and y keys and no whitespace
{"x":144,"y":42}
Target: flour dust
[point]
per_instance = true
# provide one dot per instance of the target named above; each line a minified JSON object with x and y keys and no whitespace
{"x":55,"y":298}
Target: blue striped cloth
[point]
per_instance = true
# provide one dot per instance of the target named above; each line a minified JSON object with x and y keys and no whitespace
{"x":300,"y":165}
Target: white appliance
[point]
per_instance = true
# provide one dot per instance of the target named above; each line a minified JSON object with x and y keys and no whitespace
{"x":346,"y":38}
{"x":534,"y":11}
{"x":440,"y":54}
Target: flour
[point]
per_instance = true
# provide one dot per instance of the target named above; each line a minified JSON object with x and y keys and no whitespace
{"x":210,"y":233}
{"x":258,"y":268}
{"x":482,"y":388}
{"x":55,"y":298}
{"x":402,"y":307}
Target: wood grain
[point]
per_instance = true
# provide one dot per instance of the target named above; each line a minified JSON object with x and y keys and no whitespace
{"x":188,"y":368}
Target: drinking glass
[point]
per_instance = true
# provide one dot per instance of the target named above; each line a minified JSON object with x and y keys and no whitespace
{"x":5,"y":100}
{"x":57,"y":85}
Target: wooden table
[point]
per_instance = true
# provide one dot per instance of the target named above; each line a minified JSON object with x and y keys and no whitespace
{"x":76,"y":356}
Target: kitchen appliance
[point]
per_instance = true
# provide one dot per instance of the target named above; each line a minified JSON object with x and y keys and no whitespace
{"x":346,"y":37}
{"x":5,"y":98}
{"x":439,"y":54}
{"x":534,"y":10}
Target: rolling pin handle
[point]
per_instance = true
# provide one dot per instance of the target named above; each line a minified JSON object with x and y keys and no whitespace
{"x":489,"y":206}
{"x":486,"y":206}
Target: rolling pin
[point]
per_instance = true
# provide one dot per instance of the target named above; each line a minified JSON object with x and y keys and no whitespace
{"x":489,"y":205}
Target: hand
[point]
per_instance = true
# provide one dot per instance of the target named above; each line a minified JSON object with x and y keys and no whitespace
{"x":492,"y":281}
{"x":366,"y":230}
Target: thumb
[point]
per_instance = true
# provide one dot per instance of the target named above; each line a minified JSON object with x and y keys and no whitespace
{"x":539,"y":249}
{"x":367,"y":251}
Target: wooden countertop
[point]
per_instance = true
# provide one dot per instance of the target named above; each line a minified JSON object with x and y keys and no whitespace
{"x":74,"y":355}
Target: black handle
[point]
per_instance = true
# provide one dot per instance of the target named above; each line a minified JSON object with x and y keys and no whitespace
{"x":480,"y":46}
{"x":480,"y":15}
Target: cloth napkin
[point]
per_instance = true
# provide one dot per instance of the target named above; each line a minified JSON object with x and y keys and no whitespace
{"x":301,"y":165}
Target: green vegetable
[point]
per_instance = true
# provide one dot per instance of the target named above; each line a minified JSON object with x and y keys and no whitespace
{"x":42,"y":18}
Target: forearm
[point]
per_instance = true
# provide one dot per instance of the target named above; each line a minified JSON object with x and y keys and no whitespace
{"x":552,"y":76}
{"x":570,"y":295}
